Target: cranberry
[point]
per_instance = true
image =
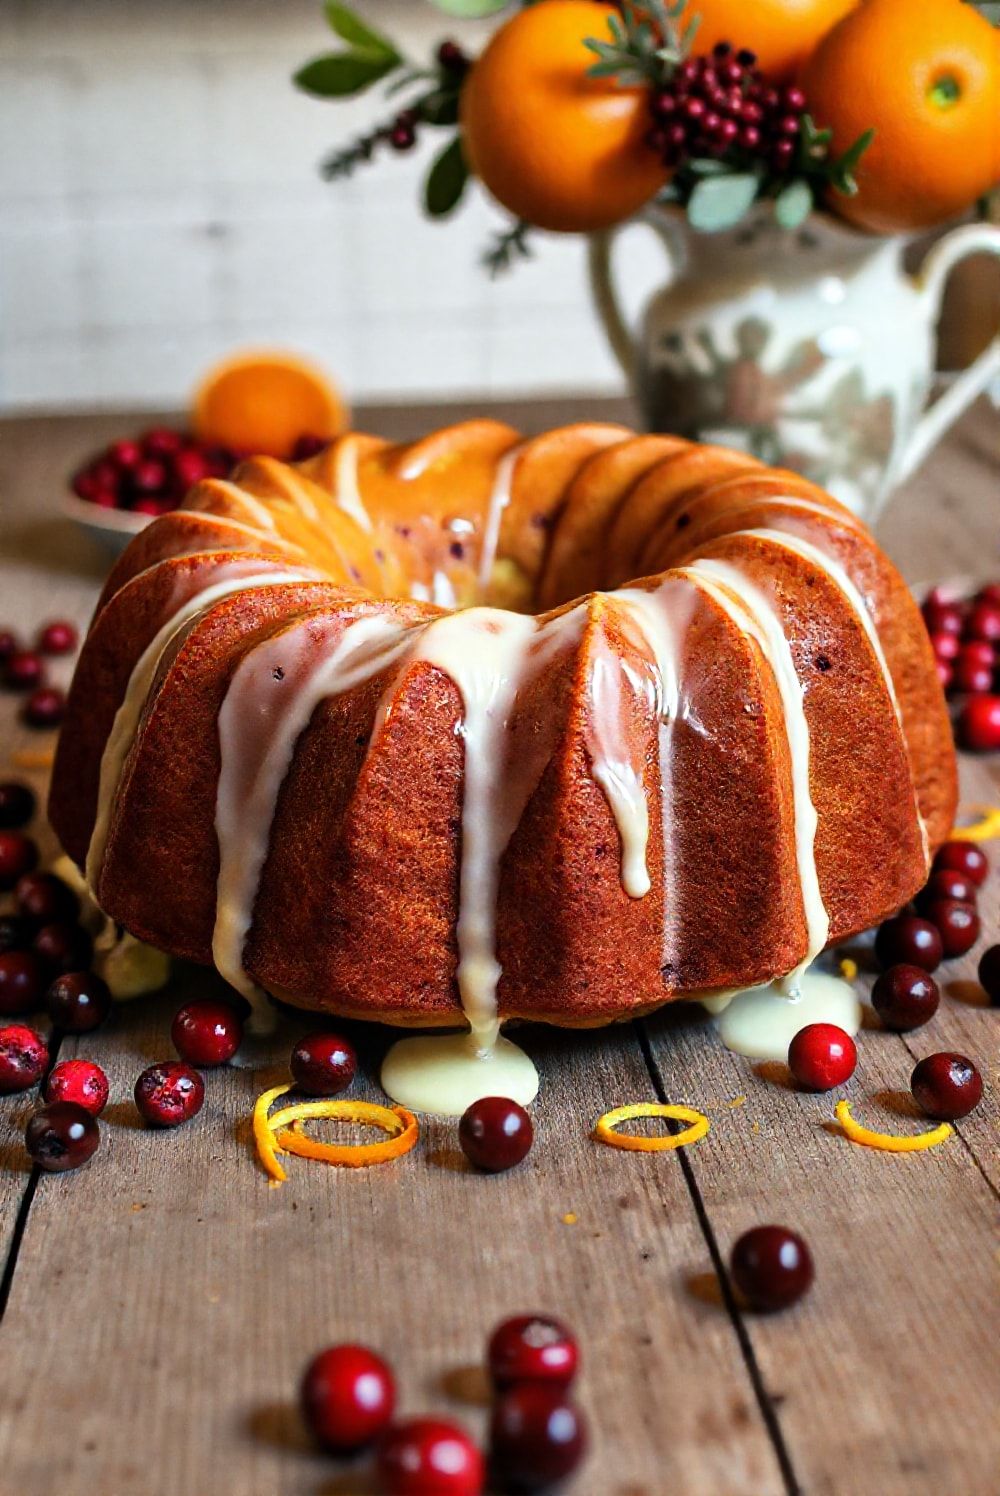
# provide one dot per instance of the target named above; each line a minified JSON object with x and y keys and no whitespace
{"x":63,"y":948}
{"x":23,"y":1058}
{"x":983,"y":622}
{"x":911,"y":940}
{"x":495,"y":1134}
{"x":154,"y":507}
{"x":532,"y":1348}
{"x":943,"y":617}
{"x":43,"y":898}
{"x":964,"y":857}
{"x":162,"y":441}
{"x":976,"y":650}
{"x":537,"y":1437}
{"x":429,"y":1457}
{"x":45,"y":707}
{"x":946,"y":883}
{"x":78,"y":1001}
{"x":58,"y":637}
{"x":979,"y":724}
{"x":323,"y":1064}
{"x":150,"y":477}
{"x":946,"y":1086}
{"x":17,"y":805}
{"x":945,"y":673}
{"x":124,"y":455}
{"x":23,"y":670}
{"x":989,"y":594}
{"x":956,"y":923}
{"x":989,"y":973}
{"x":188,"y":468}
{"x":15,"y":933}
{"x":451,"y":57}
{"x":22,"y":981}
{"x":107,"y":498}
{"x":402,"y":137}
{"x":771,"y":1266}
{"x":18,"y":855}
{"x":79,"y":1081}
{"x":822,"y":1056}
{"x":905,"y":998}
{"x":61,"y":1136}
{"x":206,"y":1032}
{"x":9,"y":644}
{"x":973,"y":678}
{"x":348,"y":1395}
{"x":169,"y":1093}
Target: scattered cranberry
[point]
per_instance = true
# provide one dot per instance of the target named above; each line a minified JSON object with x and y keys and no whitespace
{"x":18,"y":855}
{"x":79,"y":1081}
{"x":771,"y":1266}
{"x":532,"y":1348}
{"x":907,"y":939}
{"x":43,"y":898}
{"x":956,"y":923}
{"x":348,"y":1395}
{"x":495,"y":1134}
{"x":964,"y":857}
{"x":169,"y":1093}
{"x":22,"y":981}
{"x":17,"y":805}
{"x":323,"y":1064}
{"x":45,"y":707}
{"x":537,"y":1437}
{"x":59,"y":637}
{"x":61,"y":1136}
{"x":947,"y":883}
{"x":15,"y":933}
{"x":989,"y":973}
{"x":905,"y":998}
{"x":9,"y":644}
{"x":946,"y":1086}
{"x":63,"y":948}
{"x":78,"y":1002}
{"x":822,"y":1056}
{"x":23,"y":1058}
{"x":979,"y":724}
{"x":23,"y":671}
{"x":429,"y":1457}
{"x":207,"y":1032}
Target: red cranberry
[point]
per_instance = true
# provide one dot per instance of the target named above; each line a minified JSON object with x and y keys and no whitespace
{"x":9,"y":644}
{"x":17,"y":805}
{"x":22,"y":981}
{"x":911,"y":940}
{"x":537,"y":1437}
{"x":78,"y":1001}
{"x":79,"y":1081}
{"x":150,"y":477}
{"x":45,"y":707}
{"x":18,"y":855}
{"x":990,"y":593}
{"x":451,"y":57}
{"x":154,"y":507}
{"x":58,"y":638}
{"x":124,"y":455}
{"x":44,"y":898}
{"x":348,"y":1395}
{"x":945,"y":673}
{"x":323,"y":1064}
{"x":169,"y":1093}
{"x":979,"y":724}
{"x":188,"y":468}
{"x":206,"y":1032}
{"x":964,"y":857}
{"x":107,"y":498}
{"x":402,"y":137}
{"x":61,"y":1136}
{"x":822,"y":1056}
{"x":23,"y":670}
{"x":23,"y":1058}
{"x":162,"y":441}
{"x":983,"y":622}
{"x":429,"y":1457}
{"x":946,"y":1086}
{"x":989,"y":973}
{"x":495,"y":1134}
{"x":771,"y":1266}
{"x":945,"y":883}
{"x":943,"y":617}
{"x":15,"y":933}
{"x":969,"y":676}
{"x":532,"y":1348}
{"x":976,"y":650}
{"x":956,"y":923}
{"x":63,"y":948}
{"x":905,"y":998}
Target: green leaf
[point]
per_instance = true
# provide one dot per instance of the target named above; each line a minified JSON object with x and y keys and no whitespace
{"x":469,"y":10}
{"x":793,"y":204}
{"x":720,"y":202}
{"x":446,"y":181}
{"x":440,"y":107}
{"x":353,"y":29}
{"x":847,"y":163}
{"x":340,"y":74}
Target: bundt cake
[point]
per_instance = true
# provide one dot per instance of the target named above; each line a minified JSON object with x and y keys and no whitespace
{"x":392,"y":733}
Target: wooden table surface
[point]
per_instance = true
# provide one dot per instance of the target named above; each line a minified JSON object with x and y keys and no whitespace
{"x":161,"y":1303}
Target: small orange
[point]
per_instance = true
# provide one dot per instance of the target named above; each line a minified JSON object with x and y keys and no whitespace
{"x":927,"y":78}
{"x":783,"y":33}
{"x":262,"y":402}
{"x":557,"y":148}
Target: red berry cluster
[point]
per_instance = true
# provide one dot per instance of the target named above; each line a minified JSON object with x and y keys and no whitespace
{"x":151,"y":474}
{"x":723,"y":106}
{"x":23,"y":670}
{"x":943,"y":922}
{"x":965,"y":635}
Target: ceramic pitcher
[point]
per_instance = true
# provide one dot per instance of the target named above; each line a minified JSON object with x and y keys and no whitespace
{"x":811,"y":349}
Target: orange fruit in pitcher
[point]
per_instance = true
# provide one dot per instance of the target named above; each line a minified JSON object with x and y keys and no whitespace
{"x":783,"y":33}
{"x":262,"y":402}
{"x":557,"y":148}
{"x":927,"y":78}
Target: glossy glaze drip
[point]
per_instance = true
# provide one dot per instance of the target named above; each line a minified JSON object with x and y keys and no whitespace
{"x":347,"y":489}
{"x":262,"y":517}
{"x":761,"y":1022}
{"x":445,"y":1073}
{"x":500,"y":496}
{"x":611,"y":762}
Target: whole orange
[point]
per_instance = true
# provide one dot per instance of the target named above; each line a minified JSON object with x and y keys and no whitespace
{"x":554,"y":146}
{"x":783,"y":33}
{"x":926,"y":77}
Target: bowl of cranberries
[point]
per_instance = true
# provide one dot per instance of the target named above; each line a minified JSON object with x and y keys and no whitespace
{"x":965,"y":637}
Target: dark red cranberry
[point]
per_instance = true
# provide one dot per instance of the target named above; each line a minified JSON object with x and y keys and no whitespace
{"x":188,"y":468}
{"x":909,"y":940}
{"x":22,"y":981}
{"x":495,"y":1134}
{"x":945,"y":883}
{"x":990,"y":593}
{"x":402,"y":137}
{"x":124,"y":454}
{"x":45,"y":707}
{"x":169,"y":1093}
{"x":61,"y":1136}
{"x":79,"y":1081}
{"x":532,"y":1348}
{"x":17,"y":805}
{"x":348,"y":1396}
{"x":945,"y":673}
{"x":58,"y":637}
{"x":43,"y":898}
{"x":23,"y":670}
{"x":162,"y":441}
{"x":9,"y":644}
{"x":946,"y":1086}
{"x":905,"y":997}
{"x":78,"y":1001}
{"x":308,"y":446}
{"x":974,"y":678}
{"x":23,"y":1058}
{"x":943,"y":617}
{"x":771,"y":1267}
{"x":107,"y":498}
{"x":956,"y":923}
{"x":977,"y":651}
{"x":989,"y":973}
{"x":983,"y":622}
{"x":18,"y":855}
{"x":822,"y":1056}
{"x":979,"y":724}
{"x":451,"y":57}
{"x":149,"y":477}
{"x":429,"y":1457}
{"x":153,"y":506}
{"x":964,"y":857}
{"x":15,"y":933}
{"x":323,"y":1064}
{"x":63,"y":948}
{"x":207,"y":1032}
{"x":537,"y":1437}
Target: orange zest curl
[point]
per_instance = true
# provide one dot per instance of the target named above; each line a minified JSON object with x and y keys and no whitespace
{"x":264,"y":1138}
{"x":400,"y":1124}
{"x":984,"y":828}
{"x":605,"y":1132}
{"x":887,"y":1141}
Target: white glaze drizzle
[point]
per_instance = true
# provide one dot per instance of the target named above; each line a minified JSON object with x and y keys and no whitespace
{"x":760,"y":1022}
{"x":347,"y":490}
{"x":499,"y":499}
{"x":262,"y":516}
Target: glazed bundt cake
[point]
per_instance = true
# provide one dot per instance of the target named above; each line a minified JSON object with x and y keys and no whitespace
{"x":392,"y":733}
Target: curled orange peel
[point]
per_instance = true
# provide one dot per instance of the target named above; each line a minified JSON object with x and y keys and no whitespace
{"x":887,"y":1141}
{"x":605,"y":1132}
{"x":264,"y":1138}
{"x":400,"y":1124}
{"x":983,"y":829}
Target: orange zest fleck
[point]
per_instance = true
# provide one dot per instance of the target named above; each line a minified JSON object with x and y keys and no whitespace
{"x":605,"y":1128}
{"x":887,"y":1141}
{"x":400,"y":1124}
{"x":984,"y":828}
{"x":263,"y":1136}
{"x":848,"y":969}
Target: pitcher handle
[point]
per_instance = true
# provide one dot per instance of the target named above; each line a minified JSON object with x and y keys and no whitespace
{"x":602,"y":285}
{"x":930,"y":281}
